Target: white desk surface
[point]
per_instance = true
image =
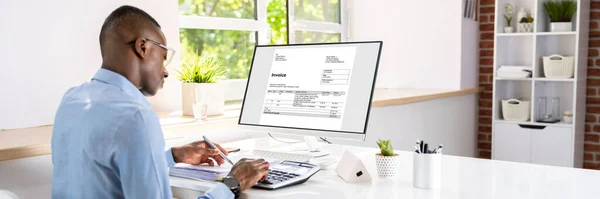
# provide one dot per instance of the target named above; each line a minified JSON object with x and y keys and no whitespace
{"x":461,"y":178}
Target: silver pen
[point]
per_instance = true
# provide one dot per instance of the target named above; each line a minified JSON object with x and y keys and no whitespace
{"x":215,"y":147}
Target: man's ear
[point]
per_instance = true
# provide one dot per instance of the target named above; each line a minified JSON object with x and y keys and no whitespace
{"x":141,"y":47}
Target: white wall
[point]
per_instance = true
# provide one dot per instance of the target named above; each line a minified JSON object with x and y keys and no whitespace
{"x":470,"y":54}
{"x":421,"y":40}
{"x":50,"y":46}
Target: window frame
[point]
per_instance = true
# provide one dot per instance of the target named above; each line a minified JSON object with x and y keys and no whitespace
{"x":234,"y":87}
{"x":316,"y":26}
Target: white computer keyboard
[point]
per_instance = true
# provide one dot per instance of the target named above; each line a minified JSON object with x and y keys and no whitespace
{"x":283,"y":156}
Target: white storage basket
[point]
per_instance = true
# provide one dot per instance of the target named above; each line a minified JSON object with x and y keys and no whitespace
{"x":515,"y":110}
{"x":557,"y":66}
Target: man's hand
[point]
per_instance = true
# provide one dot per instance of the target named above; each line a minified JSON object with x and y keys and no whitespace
{"x":197,"y":153}
{"x":248,"y":172}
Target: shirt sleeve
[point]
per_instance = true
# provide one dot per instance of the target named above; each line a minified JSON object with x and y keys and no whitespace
{"x":169,"y":157}
{"x":139,"y":157}
{"x":218,"y":192}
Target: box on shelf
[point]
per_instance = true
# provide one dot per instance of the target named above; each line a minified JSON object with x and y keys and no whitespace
{"x":516,"y":110}
{"x":514,"y":71}
{"x":557,"y":66}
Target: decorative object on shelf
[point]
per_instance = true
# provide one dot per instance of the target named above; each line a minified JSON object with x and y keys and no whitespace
{"x":558,"y":66}
{"x":560,"y":14}
{"x":543,"y":115}
{"x":568,"y":117}
{"x":525,"y":22}
{"x":541,"y":108}
{"x":516,"y":110}
{"x":514,"y":72}
{"x":387,"y":160}
{"x":508,"y":16}
{"x":201,"y":73}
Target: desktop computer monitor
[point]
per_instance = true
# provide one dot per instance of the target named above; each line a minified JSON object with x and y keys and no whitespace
{"x":311,"y":89}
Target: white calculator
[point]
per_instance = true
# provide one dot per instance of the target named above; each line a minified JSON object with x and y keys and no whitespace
{"x":288,"y":173}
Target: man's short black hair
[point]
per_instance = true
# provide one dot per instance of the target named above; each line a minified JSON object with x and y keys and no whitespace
{"x":125,"y":16}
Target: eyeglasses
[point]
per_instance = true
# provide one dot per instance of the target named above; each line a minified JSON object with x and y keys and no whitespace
{"x":170,"y":52}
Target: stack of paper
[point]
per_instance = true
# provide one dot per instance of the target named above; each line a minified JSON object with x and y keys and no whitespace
{"x":514,"y":71}
{"x":200,"y":172}
{"x":211,"y":173}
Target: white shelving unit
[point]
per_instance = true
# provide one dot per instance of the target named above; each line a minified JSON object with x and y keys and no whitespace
{"x":558,"y":144}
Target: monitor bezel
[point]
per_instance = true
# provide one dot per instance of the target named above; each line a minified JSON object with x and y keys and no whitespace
{"x":311,"y":131}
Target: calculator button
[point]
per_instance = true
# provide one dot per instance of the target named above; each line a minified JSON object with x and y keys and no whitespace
{"x":265,"y":182}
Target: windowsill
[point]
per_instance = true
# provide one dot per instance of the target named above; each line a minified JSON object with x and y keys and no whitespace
{"x":35,"y":141}
{"x":167,"y":119}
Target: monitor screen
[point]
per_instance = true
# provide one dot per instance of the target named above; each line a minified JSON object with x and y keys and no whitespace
{"x":324,"y":87}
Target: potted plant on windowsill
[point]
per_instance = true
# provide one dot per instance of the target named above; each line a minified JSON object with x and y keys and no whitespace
{"x":200,"y":74}
{"x":560,"y":14}
{"x":387,"y":160}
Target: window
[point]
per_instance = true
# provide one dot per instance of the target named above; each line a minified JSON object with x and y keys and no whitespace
{"x":229,"y":30}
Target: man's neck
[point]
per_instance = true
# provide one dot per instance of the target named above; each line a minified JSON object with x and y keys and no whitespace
{"x":128,"y":74}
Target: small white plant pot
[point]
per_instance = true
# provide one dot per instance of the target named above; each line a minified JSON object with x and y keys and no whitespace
{"x":525,"y":27}
{"x":387,"y":166}
{"x":508,"y":29}
{"x":560,"y":27}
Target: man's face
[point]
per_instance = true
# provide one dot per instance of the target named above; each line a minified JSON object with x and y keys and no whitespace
{"x":152,"y":70}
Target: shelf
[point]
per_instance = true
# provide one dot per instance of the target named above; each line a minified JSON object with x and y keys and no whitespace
{"x":515,"y":34}
{"x":556,"y":33}
{"x":515,"y":51}
{"x":560,"y":124}
{"x":543,"y":79}
{"x":514,"y":79}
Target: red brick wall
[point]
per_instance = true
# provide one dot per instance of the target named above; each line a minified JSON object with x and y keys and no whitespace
{"x":486,"y":68}
{"x":486,"y":50}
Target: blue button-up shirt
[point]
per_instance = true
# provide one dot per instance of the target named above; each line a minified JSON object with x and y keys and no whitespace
{"x":107,"y":143}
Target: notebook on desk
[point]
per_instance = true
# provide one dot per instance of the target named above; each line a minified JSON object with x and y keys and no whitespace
{"x":199,"y":172}
{"x":207,"y":172}
{"x":281,"y":173}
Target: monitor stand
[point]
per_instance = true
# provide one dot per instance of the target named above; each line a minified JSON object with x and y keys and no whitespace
{"x":312,"y":147}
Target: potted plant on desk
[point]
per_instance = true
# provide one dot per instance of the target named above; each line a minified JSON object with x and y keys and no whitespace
{"x":387,"y":160}
{"x":560,"y":13}
{"x":199,"y":75}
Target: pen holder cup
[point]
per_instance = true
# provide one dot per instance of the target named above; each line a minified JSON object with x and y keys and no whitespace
{"x":427,"y":170}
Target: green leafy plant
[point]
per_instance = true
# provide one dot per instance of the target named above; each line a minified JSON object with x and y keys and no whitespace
{"x":386,"y":147}
{"x":560,"y":11}
{"x":526,"y":20}
{"x":200,"y":69}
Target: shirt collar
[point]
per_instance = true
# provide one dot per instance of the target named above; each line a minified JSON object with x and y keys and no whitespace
{"x":118,"y":80}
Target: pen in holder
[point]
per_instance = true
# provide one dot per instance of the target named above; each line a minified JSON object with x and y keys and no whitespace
{"x":427,"y":170}
{"x":427,"y":165}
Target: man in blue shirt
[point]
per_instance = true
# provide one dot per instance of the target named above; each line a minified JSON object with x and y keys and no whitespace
{"x":108,"y":143}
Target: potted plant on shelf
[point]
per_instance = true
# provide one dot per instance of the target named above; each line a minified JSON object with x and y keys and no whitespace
{"x":525,"y":24}
{"x":508,"y":16}
{"x":200,"y":74}
{"x":560,"y":14}
{"x":387,"y":160}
